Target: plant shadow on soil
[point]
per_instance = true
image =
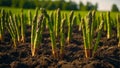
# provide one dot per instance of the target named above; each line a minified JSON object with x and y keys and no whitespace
{"x":107,"y":55}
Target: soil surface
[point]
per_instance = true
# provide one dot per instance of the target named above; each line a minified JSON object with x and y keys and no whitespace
{"x":107,"y":55}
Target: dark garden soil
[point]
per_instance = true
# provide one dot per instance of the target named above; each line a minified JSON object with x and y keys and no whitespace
{"x":107,"y":55}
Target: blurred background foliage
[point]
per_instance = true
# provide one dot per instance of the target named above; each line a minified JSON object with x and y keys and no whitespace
{"x":52,"y":4}
{"x":48,"y":4}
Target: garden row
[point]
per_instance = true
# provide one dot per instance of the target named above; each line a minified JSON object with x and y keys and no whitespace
{"x":60,"y":26}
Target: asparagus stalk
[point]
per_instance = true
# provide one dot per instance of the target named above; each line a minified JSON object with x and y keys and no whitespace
{"x":85,"y":37}
{"x":58,"y":21}
{"x":22,"y":27}
{"x":16,"y":27}
{"x":52,"y":36}
{"x":62,"y":38}
{"x":34,"y":33}
{"x":38,"y":33}
{"x":33,"y":25}
{"x":2,"y":20}
{"x":108,"y":26}
{"x":118,"y":29}
{"x":70,"y":26}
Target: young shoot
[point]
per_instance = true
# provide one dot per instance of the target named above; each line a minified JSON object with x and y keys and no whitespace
{"x":2,"y":21}
{"x":36,"y":32}
{"x":69,"y":36}
{"x":87,"y":29}
{"x":118,"y":29}
{"x":62,"y":38}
